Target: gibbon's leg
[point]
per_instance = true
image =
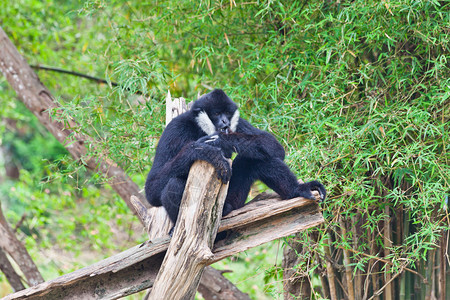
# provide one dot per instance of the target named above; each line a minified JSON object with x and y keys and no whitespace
{"x":241,"y":181}
{"x":171,"y":197}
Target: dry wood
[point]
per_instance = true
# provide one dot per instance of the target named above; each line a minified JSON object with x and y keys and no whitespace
{"x":38,"y":99}
{"x":174,"y":107}
{"x":135,"y":269}
{"x":195,"y":230}
{"x":11,"y":245}
{"x":215,"y":286}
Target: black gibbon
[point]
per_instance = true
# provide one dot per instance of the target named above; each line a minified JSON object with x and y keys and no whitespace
{"x":211,"y":131}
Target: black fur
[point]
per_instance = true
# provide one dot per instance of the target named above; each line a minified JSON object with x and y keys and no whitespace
{"x":259,"y":156}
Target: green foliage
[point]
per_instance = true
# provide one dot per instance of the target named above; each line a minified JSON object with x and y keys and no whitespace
{"x":357,"y":91}
{"x":256,"y":271}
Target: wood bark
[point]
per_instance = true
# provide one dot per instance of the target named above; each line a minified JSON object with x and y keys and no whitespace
{"x":190,"y":248}
{"x":11,"y":245}
{"x":215,"y":286}
{"x":135,"y":269}
{"x":38,"y":99}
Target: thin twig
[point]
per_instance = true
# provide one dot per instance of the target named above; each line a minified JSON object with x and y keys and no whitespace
{"x":22,"y":219}
{"x":59,"y":70}
{"x":377,"y":293}
{"x":78,"y":74}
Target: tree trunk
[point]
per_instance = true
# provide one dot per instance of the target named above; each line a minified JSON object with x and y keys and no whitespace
{"x":215,"y":286}
{"x":193,"y":237}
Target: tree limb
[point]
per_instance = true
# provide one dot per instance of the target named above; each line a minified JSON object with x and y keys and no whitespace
{"x":195,"y":230}
{"x":78,"y":74}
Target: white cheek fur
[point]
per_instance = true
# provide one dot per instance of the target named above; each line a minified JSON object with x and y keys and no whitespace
{"x":234,"y":121}
{"x":205,"y":123}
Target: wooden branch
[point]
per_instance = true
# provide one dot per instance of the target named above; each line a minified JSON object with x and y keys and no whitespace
{"x":135,"y":269}
{"x":38,"y":99}
{"x":10,"y":244}
{"x":73,"y":73}
{"x":174,"y":107}
{"x":215,"y":286}
{"x":193,"y":237}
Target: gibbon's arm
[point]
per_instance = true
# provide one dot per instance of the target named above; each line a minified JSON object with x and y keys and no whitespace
{"x":248,"y":142}
{"x":179,"y":166}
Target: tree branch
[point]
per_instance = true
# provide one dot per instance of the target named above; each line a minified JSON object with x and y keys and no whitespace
{"x":78,"y":74}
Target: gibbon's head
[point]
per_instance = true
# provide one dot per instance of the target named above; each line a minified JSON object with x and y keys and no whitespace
{"x":215,"y":112}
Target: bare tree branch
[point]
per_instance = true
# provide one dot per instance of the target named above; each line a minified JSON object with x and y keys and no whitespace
{"x":74,"y":73}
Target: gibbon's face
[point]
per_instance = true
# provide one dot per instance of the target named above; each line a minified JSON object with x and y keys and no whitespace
{"x":216,"y":112}
{"x":224,"y":121}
